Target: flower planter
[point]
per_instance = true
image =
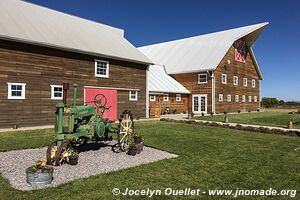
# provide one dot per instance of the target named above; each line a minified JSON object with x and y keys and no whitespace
{"x":139,"y":147}
{"x":132,"y":151}
{"x":40,"y":179}
{"x":73,"y":160}
{"x":137,"y":139}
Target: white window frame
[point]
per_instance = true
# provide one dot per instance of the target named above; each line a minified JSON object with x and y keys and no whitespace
{"x":178,"y":97}
{"x":255,"y":99}
{"x":107,"y":69}
{"x":245,"y":82}
{"x":229,"y":98}
{"x":250,"y":99}
{"x":166,"y":97}
{"x":52,"y":92}
{"x":244,"y":98}
{"x":220,"y":97}
{"x":235,"y":80}
{"x":9,"y":91}
{"x":200,"y":82}
{"x":237,"y":98}
{"x":224,"y":75}
{"x":152,"y":97}
{"x":253,"y":83}
{"x":130,"y":95}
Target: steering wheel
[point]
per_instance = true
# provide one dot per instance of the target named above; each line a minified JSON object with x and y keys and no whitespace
{"x":100,"y":100}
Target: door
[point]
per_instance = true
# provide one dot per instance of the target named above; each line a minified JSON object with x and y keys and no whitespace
{"x":199,"y":103}
{"x":112,"y":100}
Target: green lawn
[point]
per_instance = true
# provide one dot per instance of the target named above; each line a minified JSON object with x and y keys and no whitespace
{"x":279,"y":119}
{"x":209,"y":158}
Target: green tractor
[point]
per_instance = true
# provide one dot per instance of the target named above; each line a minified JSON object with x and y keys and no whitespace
{"x":76,"y":124}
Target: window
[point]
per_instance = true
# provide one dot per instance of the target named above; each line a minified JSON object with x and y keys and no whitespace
{"x":253,"y":83}
{"x":220,"y":97}
{"x":224,"y":78}
{"x":243,"y":98}
{"x":245,"y":82}
{"x":235,"y":80}
{"x":133,"y":96}
{"x":152,"y":98}
{"x":16,"y":90}
{"x":101,"y":68}
{"x":250,"y":98}
{"x":178,"y":97}
{"x":166,"y":97}
{"x":255,"y":99}
{"x":202,"y":78}
{"x":228,"y":97}
{"x":236,"y":98}
{"x":56,"y":92}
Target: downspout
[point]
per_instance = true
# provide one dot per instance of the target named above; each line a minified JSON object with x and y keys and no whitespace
{"x":147,"y":92}
{"x":213,"y":96}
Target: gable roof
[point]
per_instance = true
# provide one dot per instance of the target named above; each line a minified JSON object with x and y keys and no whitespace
{"x":159,"y":81}
{"x":200,"y":53}
{"x":26,"y":22}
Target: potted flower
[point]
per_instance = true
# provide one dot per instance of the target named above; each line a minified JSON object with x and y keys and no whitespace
{"x":73,"y":156}
{"x":132,"y":149}
{"x":39,"y":174}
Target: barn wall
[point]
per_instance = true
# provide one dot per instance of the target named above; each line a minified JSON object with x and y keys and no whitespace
{"x":190,"y":82}
{"x":158,"y":106}
{"x":242,"y":70}
{"x":40,"y":67}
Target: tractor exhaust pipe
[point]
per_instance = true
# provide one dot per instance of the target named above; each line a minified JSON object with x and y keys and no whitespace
{"x":65,"y":93}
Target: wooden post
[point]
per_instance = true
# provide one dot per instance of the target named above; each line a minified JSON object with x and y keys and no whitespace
{"x":290,"y":125}
{"x":225,"y":118}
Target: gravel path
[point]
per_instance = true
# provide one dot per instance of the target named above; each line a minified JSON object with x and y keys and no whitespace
{"x":95,"y":159}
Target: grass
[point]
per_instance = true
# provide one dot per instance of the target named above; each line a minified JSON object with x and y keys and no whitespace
{"x":278,"y":119}
{"x":209,"y":158}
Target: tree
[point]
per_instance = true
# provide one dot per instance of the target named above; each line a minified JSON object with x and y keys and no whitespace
{"x":269,"y":102}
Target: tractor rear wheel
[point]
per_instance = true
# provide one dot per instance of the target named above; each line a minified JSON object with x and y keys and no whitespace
{"x":62,"y":153}
{"x":125,"y":131}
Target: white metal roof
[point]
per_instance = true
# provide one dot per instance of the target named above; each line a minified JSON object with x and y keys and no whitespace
{"x":27,"y":22}
{"x":161,"y":82}
{"x":200,"y":53}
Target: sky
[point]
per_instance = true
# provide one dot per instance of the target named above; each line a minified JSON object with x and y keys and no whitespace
{"x":152,"y":21}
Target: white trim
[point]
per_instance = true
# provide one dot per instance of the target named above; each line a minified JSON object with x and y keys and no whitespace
{"x":253,"y":83}
{"x":213,"y":93}
{"x":136,"y":95}
{"x":107,"y":69}
{"x":243,"y":98}
{"x":52,"y":92}
{"x":178,"y":97}
{"x":9,"y":96}
{"x":224,"y":82}
{"x":250,"y":99}
{"x":147,"y":93}
{"x":166,"y":97}
{"x":112,"y":88}
{"x":152,"y":99}
{"x":199,"y":78}
{"x":255,"y":99}
{"x":199,"y":101}
{"x":237,"y":97}
{"x":237,"y":80}
{"x":229,"y":97}
{"x":220,"y":97}
{"x":245,"y":84}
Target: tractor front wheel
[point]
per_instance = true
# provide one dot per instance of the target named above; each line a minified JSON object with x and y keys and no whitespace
{"x":50,"y":154}
{"x":62,"y":153}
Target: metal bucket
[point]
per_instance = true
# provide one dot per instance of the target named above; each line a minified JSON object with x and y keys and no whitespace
{"x":39,"y":180}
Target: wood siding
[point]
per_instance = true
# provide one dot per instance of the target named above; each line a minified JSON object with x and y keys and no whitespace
{"x":241,"y":70}
{"x":40,"y":67}
{"x":158,"y":106}
{"x":190,"y":82}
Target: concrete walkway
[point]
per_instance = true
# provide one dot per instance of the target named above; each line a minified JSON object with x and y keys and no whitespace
{"x":26,"y":128}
